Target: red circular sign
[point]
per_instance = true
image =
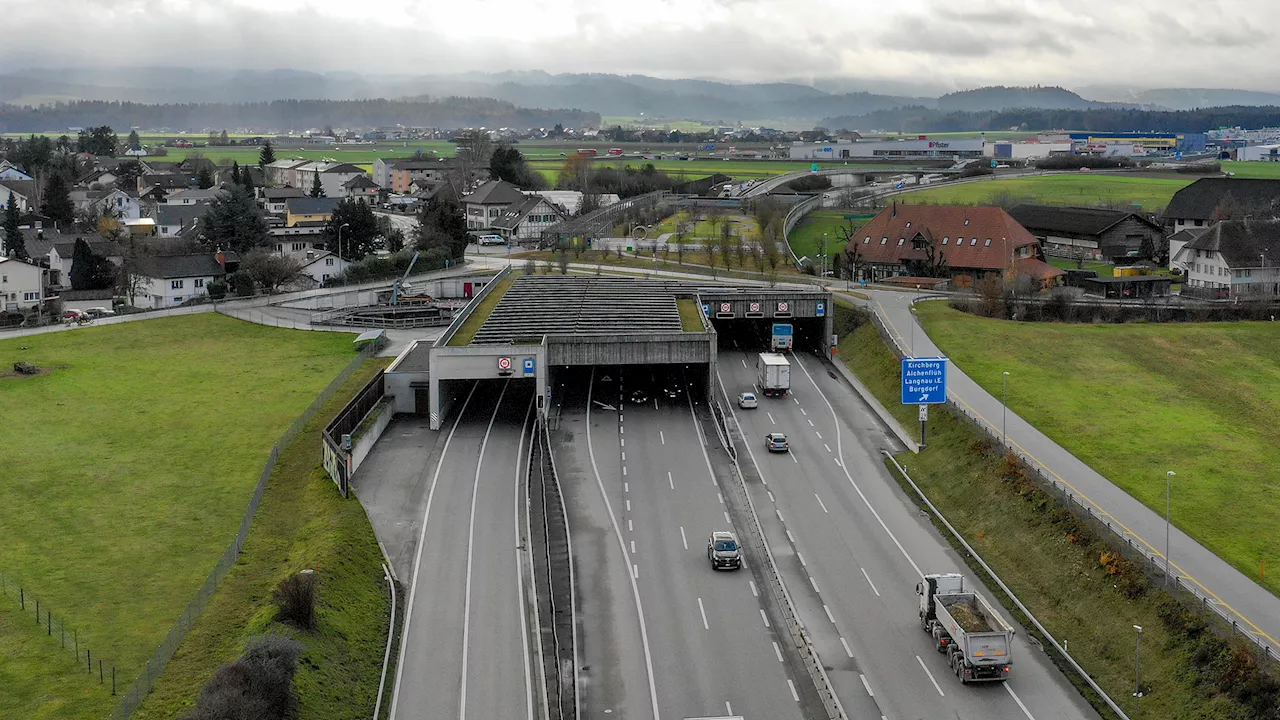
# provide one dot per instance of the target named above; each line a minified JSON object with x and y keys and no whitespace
{"x":725,"y":307}
{"x":782,"y":307}
{"x":755,"y":307}
{"x":504,"y":363}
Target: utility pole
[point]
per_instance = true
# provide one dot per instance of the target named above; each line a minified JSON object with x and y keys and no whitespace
{"x":1168,"y":494}
{"x":341,"y":227}
{"x":1137,"y":683}
{"x":1004,"y":409}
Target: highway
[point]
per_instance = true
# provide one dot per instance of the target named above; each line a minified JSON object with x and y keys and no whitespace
{"x":465,"y":647}
{"x":862,"y":548}
{"x":639,"y":485}
{"x":1256,"y":609}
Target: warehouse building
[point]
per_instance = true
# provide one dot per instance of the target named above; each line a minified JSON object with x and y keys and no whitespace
{"x":1148,"y":141}
{"x":882,"y":149}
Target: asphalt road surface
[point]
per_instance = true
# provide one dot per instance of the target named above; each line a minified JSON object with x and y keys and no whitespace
{"x":1258,"y":609}
{"x":647,"y":500}
{"x":862,"y":547}
{"x":465,"y":648}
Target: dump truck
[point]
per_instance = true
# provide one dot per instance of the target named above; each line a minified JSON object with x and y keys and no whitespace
{"x":978,"y":643}
{"x":773,"y":374}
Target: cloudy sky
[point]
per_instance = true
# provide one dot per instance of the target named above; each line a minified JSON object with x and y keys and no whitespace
{"x":947,"y":43}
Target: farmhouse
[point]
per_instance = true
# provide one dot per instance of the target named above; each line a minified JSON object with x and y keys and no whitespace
{"x":527,"y":219}
{"x":1200,"y":203}
{"x":1092,"y":233}
{"x":488,"y":203}
{"x":1233,"y":259}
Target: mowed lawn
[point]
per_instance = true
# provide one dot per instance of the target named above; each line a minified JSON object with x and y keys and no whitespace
{"x":1135,"y":401}
{"x":1152,"y":194}
{"x":806,"y":237}
{"x":127,"y":469}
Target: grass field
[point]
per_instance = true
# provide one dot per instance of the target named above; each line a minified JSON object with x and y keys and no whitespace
{"x":1050,"y":566}
{"x":690,"y":315}
{"x":302,"y":523}
{"x":694,"y":262}
{"x":806,"y":236}
{"x":1103,"y":269}
{"x":134,"y":463}
{"x":1267,"y":170}
{"x":472,"y":324}
{"x":1134,"y":401}
{"x":699,"y":167}
{"x":1151,"y":194}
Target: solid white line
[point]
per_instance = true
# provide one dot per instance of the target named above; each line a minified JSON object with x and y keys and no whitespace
{"x":670,"y":481}
{"x":792,"y":685}
{"x":703,"y":612}
{"x":754,"y":592}
{"x":764,"y":617}
{"x":727,"y":519}
{"x":777,"y":650}
{"x":662,"y":437}
{"x":635,"y":572}
{"x":868,"y":577}
{"x":793,"y":458}
{"x":866,"y":684}
{"x":801,"y":558}
{"x":814,"y":583}
{"x":471,"y":536}
{"x":524,"y":627}
{"x":926,"y":672}
{"x":845,"y":643}
{"x":1018,"y":700}
{"x":820,"y":503}
{"x":417,"y":559}
{"x":684,"y":539}
{"x":827,"y":610}
{"x":775,"y":422}
{"x":849,"y":476}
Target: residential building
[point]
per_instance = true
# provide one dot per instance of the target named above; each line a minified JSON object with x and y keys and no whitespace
{"x":570,"y":200}
{"x":191,"y":196}
{"x":281,"y":172}
{"x":299,"y":246}
{"x":272,"y":198}
{"x":1091,"y":233}
{"x":406,"y":175}
{"x":527,"y":219}
{"x":22,"y":284}
{"x":359,"y":186}
{"x":56,"y":251}
{"x":171,"y":280}
{"x":23,"y":193}
{"x":1179,"y":240}
{"x":123,"y":204}
{"x":382,"y":170}
{"x":167,"y":182}
{"x":320,"y":265}
{"x":1198,"y":204}
{"x":175,"y":220}
{"x":489,"y":201}
{"x":1233,"y":259}
{"x":967,"y":243}
{"x":308,"y":210}
{"x":9,"y":171}
{"x":332,"y":176}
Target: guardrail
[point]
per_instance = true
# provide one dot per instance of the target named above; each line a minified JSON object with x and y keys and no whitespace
{"x":794,"y":216}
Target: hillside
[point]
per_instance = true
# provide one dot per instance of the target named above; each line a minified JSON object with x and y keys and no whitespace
{"x":1003,"y":98}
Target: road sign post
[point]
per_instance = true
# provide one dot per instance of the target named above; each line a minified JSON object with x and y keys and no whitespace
{"x":924,"y":383}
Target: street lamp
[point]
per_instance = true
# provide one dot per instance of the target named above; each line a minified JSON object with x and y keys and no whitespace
{"x":1168,"y":488}
{"x":341,"y":227}
{"x":1004,"y":409}
{"x":1137,"y":683}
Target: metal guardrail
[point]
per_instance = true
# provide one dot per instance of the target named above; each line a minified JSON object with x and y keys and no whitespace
{"x":793,"y":218}
{"x":594,"y":224}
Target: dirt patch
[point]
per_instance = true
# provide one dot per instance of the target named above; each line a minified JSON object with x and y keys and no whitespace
{"x":10,"y":373}
{"x":968,"y":616}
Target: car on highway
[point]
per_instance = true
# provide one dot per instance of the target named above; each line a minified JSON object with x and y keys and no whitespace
{"x":723,"y":550}
{"x":776,"y":442}
{"x":672,"y":391}
{"x":639,"y":397}
{"x":747,"y":401}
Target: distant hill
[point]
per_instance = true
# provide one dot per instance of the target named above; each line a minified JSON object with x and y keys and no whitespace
{"x":1182,"y":98}
{"x":1004,"y":98}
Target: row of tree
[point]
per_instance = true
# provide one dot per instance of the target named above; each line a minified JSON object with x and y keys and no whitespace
{"x":922,"y":119}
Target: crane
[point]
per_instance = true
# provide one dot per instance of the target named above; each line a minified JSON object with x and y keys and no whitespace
{"x":400,"y":283}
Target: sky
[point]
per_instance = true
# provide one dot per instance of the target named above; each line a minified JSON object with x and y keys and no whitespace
{"x":951,"y":44}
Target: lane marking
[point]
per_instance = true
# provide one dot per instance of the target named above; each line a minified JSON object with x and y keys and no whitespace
{"x":797,"y":401}
{"x":624,"y":456}
{"x":802,"y":562}
{"x":791,"y":537}
{"x":524,"y":627}
{"x":778,"y":512}
{"x":633,"y":547}
{"x":621,"y":430}
{"x":793,"y":458}
{"x":770,"y":493}
{"x":721,"y":498}
{"x":471,"y":545}
{"x":827,"y":610}
{"x":792,"y":685}
{"x":754,"y":592}
{"x":815,"y":432}
{"x":703,"y":612}
{"x":662,"y":437}
{"x":764,"y":617}
{"x":628,"y":506}
{"x":626,"y":487}
{"x":821,"y":504}
{"x":811,"y":424}
{"x":814,"y":583}
{"x":635,"y":572}
{"x":845,"y":643}
{"x":684,"y":539}
{"x":624,"y":470}
{"x":1018,"y":700}
{"x":868,"y":577}
{"x":422,"y":539}
{"x":728,"y":708}
{"x":630,"y":527}
{"x":727,"y":520}
{"x":926,"y":672}
{"x":743,"y":361}
{"x":670,"y":481}
{"x":866,"y":684}
{"x":828,"y":447}
{"x":623,"y":441}
{"x":775,"y":422}
{"x":777,"y":650}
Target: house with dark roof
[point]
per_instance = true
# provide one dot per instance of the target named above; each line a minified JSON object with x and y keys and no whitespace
{"x":965,"y":243}
{"x":359,"y":186}
{"x":1233,"y":259}
{"x":488,"y":203}
{"x":167,"y":182}
{"x":272,"y":198}
{"x":175,"y":220}
{"x":170,"y":280}
{"x":22,"y":192}
{"x":56,"y":250}
{"x":1091,"y":233}
{"x":308,"y":210}
{"x":1179,"y":240}
{"x":1197,"y":204}
{"x":525,"y":220}
{"x":382,"y":170}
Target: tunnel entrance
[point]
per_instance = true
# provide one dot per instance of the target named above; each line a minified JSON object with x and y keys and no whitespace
{"x":807,"y":334}
{"x":622,"y":385}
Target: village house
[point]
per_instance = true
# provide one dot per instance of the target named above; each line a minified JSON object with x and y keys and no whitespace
{"x":22,"y":284}
{"x":1200,"y":203}
{"x":1089,"y":233}
{"x":488,"y":203}
{"x":1232,"y":260}
{"x":525,"y":220}
{"x":171,"y":280}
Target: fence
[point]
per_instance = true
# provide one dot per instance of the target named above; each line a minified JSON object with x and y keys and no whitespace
{"x":794,"y":216}
{"x":346,"y":422}
{"x":142,"y":685}
{"x":68,"y":637}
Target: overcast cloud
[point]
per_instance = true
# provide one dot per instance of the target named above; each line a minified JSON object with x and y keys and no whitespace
{"x":952,"y":43}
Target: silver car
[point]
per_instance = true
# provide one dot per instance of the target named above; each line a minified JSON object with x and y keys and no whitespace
{"x":747,"y":401}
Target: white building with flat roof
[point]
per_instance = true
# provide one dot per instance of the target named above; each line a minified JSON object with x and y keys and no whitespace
{"x":886,"y":149}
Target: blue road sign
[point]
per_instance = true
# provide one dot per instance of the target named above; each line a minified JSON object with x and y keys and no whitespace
{"x":821,"y":309}
{"x":706,"y":309}
{"x":528,"y":366}
{"x":924,"y":381}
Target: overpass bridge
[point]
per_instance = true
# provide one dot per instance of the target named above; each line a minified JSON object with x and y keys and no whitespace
{"x":860,"y":173}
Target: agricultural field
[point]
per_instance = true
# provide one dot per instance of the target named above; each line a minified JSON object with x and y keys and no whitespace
{"x":144,"y":442}
{"x":699,"y":167}
{"x":1264,"y":170}
{"x":807,"y":236}
{"x":1123,"y":191}
{"x":1136,"y":400}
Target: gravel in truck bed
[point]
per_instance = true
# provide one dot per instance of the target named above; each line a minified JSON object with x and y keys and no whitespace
{"x":968,"y":614}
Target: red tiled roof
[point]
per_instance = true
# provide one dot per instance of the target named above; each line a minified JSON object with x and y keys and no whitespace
{"x":990,"y":235}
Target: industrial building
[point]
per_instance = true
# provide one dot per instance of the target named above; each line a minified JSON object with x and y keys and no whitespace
{"x":1147,"y":141}
{"x":881,"y":149}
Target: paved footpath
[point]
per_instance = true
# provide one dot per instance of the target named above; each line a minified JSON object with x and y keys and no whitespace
{"x":1254,"y":609}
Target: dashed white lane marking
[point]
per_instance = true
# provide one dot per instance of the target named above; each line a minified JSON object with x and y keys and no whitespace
{"x":743,"y":361}
{"x":754,"y":592}
{"x":866,"y":684}
{"x":868,"y":577}
{"x":770,"y":493}
{"x":791,"y":537}
{"x":794,"y":695}
{"x":623,"y":441}
{"x":828,"y":447}
{"x":802,"y":412}
{"x":727,"y":520}
{"x":624,"y":470}
{"x":630,"y":527}
{"x":635,"y":571}
{"x":797,"y":401}
{"x":1018,"y":700}
{"x":662,"y":437}
{"x":778,"y":512}
{"x":815,"y":432}
{"x":926,"y":672}
{"x":814,"y":583}
{"x":771,"y":420}
{"x":821,"y":504}
{"x":703,"y":612}
{"x":626,"y":487}
{"x":793,"y":458}
{"x":728,"y":709}
{"x":847,"y":650}
{"x":811,"y":424}
{"x":624,"y":456}
{"x":777,"y":650}
{"x":801,"y":559}
{"x":721,"y":497}
{"x":670,"y":481}
{"x":633,"y":547}
{"x":621,"y":430}
{"x":764,"y":617}
{"x":830,"y":617}
{"x":684,"y":539}
{"x":628,"y":506}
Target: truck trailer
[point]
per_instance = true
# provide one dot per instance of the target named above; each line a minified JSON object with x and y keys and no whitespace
{"x":978,"y":643}
{"x":773,"y":374}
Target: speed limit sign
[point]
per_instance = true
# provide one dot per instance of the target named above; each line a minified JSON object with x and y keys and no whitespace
{"x":504,"y":363}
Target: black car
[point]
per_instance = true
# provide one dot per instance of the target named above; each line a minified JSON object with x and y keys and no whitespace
{"x":639,"y":397}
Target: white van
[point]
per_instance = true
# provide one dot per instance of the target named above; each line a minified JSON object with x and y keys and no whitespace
{"x":491,"y":240}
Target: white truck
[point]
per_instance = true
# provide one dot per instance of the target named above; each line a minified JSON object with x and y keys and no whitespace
{"x":773,"y":374}
{"x":977,"y":642}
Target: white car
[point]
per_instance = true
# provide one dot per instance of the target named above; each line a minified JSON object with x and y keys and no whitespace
{"x":747,"y":401}
{"x":491,"y":240}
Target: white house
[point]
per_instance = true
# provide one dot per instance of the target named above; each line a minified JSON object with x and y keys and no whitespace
{"x":527,"y":219}
{"x":332,"y":176}
{"x":21,"y":191}
{"x":272,"y":199}
{"x":21,"y":284}
{"x":58,"y":250}
{"x":119,"y":203}
{"x":172,"y":220}
{"x":170,"y":280}
{"x":488,"y":203}
{"x":9,"y":171}
{"x":191,"y":196}
{"x":320,"y":265}
{"x":1233,"y":259}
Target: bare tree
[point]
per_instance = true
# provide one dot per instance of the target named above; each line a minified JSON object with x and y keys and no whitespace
{"x":562,"y":261}
{"x":740,"y":249}
{"x":548,"y":267}
{"x":680,"y":249}
{"x":269,"y":270}
{"x":530,"y":266}
{"x":712,"y":249}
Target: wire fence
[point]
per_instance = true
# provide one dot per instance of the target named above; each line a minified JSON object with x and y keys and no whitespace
{"x":142,"y":685}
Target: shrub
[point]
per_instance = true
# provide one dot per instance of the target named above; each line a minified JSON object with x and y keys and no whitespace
{"x":259,"y":685}
{"x":296,"y":599}
{"x":217,"y":289}
{"x":241,"y":284}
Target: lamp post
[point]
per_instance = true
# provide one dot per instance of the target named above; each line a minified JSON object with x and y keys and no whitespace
{"x":1137,"y":683}
{"x":341,"y":227}
{"x":1168,"y":495}
{"x":1004,"y":409}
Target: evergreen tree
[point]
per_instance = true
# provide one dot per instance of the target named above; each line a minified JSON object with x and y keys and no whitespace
{"x":234,"y":222}
{"x":442,"y":226}
{"x":223,"y":139}
{"x":246,"y":179}
{"x":57,"y":202}
{"x":90,"y":271}
{"x":317,"y":189}
{"x":204,"y":178}
{"x":507,"y":163}
{"x":134,"y":141}
{"x":14,"y":243}
{"x":266,"y":155}
{"x":362,"y":228}
{"x":235,"y":172}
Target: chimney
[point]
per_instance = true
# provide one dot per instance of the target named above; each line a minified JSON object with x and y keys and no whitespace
{"x":311,"y":254}
{"x":221,"y":257}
